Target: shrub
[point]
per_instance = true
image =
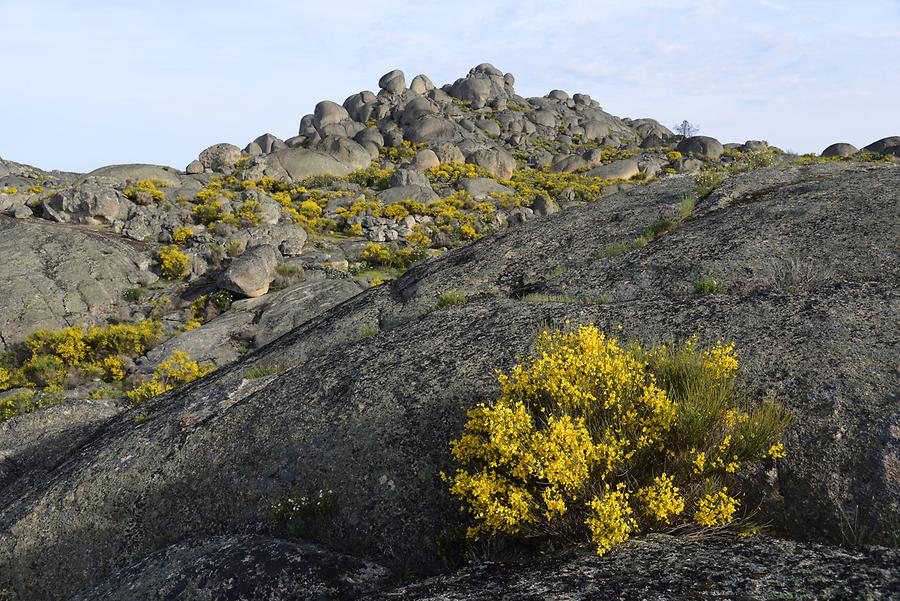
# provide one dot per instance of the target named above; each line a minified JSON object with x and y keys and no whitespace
{"x":590,"y":439}
{"x":173,"y":263}
{"x":372,"y":177}
{"x":149,"y":186}
{"x":674,"y":156}
{"x":177,"y":370}
{"x":298,"y":513}
{"x":249,"y":213}
{"x":181,"y":234}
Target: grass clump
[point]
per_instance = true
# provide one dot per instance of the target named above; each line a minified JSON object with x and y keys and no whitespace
{"x":593,"y":440}
{"x":451,"y":298}
{"x":262,"y":370}
{"x":708,"y":285}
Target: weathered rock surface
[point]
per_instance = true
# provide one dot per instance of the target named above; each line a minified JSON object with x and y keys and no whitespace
{"x":660,"y":568}
{"x":241,"y":568}
{"x":809,"y":259}
{"x":840,"y":150}
{"x":251,"y":273}
{"x":57,"y":275}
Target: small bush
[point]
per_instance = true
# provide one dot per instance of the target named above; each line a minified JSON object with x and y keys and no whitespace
{"x":593,"y":440}
{"x":180,"y":235}
{"x":707,"y":181}
{"x":173,"y":263}
{"x":177,"y":370}
{"x":709,"y":285}
{"x":451,"y":298}
{"x":368,"y":331}
{"x":151,"y":187}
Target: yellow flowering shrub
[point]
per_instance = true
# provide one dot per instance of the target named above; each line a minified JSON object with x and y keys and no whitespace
{"x":181,"y":235}
{"x":150,"y":186}
{"x":249,"y":213}
{"x":173,"y":263}
{"x":177,"y":370}
{"x":50,"y":359}
{"x":590,"y":435}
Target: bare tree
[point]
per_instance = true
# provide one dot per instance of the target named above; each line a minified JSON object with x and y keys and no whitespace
{"x":686,"y":129}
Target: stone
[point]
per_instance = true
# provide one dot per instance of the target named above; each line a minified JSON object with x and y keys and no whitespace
{"x":624,"y":169}
{"x":251,"y":273}
{"x":297,"y":163}
{"x":194,"y":167}
{"x":448,"y":154}
{"x":840,"y":149}
{"x":408,"y":177}
{"x":701,"y":147}
{"x":119,"y":174}
{"x":497,"y":161}
{"x":220,"y":158}
{"x":558,"y":95}
{"x":398,"y":193}
{"x":883,"y":144}
{"x":86,"y":203}
{"x":328,"y":113}
{"x":393,"y":82}
{"x":269,"y":143}
{"x":241,"y":568}
{"x":420,"y":85}
{"x":542,"y":205}
{"x":77,"y":274}
{"x":568,"y":164}
{"x":662,"y":567}
{"x":252,"y":149}
{"x":431,"y":129}
{"x":482,"y":187}
{"x":426,"y":159}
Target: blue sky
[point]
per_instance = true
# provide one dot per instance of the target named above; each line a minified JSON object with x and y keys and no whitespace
{"x":92,"y":83}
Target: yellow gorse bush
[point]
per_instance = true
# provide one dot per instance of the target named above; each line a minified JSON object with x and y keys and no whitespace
{"x":592,"y":436}
{"x":177,"y":370}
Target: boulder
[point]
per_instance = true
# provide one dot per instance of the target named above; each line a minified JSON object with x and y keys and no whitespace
{"x":702,"y":147}
{"x":543,"y":205}
{"x":426,"y":159}
{"x":431,"y":129}
{"x":393,"y":82}
{"x":420,"y":85}
{"x":268,"y":143}
{"x":883,"y":144}
{"x":251,"y":273}
{"x":482,"y":187}
{"x":412,"y":192}
{"x":195,"y":167}
{"x":624,"y":169}
{"x":840,"y":149}
{"x":220,"y":158}
{"x":119,"y":174}
{"x":448,"y":154}
{"x":87,"y":203}
{"x":297,"y":163}
{"x":328,"y":113}
{"x":497,"y":161}
{"x":568,"y":164}
{"x":558,"y":95}
{"x":404,"y":176}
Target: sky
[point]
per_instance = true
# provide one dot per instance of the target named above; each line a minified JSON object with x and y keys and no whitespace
{"x":93,"y":83}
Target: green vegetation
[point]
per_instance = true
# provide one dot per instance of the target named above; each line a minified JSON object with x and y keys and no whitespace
{"x":173,"y":263}
{"x":708,"y":285}
{"x":593,"y":440}
{"x":55,"y":359}
{"x":149,"y":187}
{"x":298,"y":513}
{"x":177,"y":370}
{"x":451,"y":298}
{"x":368,"y":331}
{"x":262,"y":370}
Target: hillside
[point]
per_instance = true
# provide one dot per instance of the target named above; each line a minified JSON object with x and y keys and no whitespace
{"x":359,"y":285}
